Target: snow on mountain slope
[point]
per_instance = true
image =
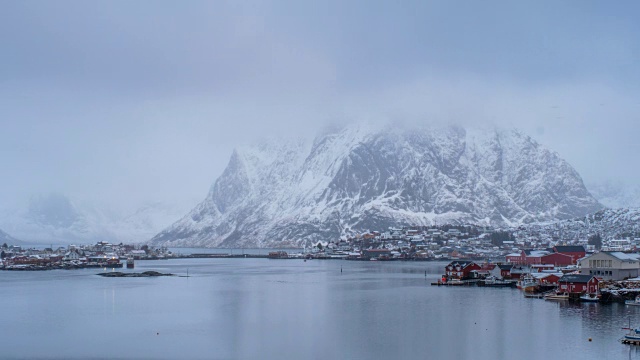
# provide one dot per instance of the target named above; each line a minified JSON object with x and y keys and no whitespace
{"x":8,"y":239}
{"x":611,"y":224}
{"x":616,"y":194}
{"x":290,"y":193}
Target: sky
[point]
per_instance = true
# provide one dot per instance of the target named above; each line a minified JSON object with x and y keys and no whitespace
{"x":127,"y":102}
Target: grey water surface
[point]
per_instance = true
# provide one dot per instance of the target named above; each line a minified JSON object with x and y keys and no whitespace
{"x":293,"y":309}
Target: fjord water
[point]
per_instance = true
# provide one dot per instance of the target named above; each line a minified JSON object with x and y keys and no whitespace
{"x":292,"y":309}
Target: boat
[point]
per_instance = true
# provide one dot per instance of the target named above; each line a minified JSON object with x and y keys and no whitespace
{"x":492,"y":281}
{"x":589,"y":297}
{"x":632,"y":337}
{"x":557,"y":296}
{"x":112,"y":263}
{"x":527,"y":283}
{"x":633,"y":302}
{"x":130,"y":263}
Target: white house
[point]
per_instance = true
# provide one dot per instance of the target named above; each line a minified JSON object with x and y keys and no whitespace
{"x":610,"y":265}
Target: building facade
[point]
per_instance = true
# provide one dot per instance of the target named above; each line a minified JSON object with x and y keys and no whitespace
{"x":611,"y":265}
{"x":578,"y":284}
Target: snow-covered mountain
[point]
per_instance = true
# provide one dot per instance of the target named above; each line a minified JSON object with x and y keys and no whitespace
{"x":616,"y":194}
{"x":54,"y":218}
{"x":287,"y":193}
{"x":8,"y":239}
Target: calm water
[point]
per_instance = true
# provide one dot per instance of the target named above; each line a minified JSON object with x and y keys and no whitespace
{"x":291,"y":309}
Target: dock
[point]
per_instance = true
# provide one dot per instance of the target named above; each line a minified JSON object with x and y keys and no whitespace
{"x":455,"y":283}
{"x":630,"y":341}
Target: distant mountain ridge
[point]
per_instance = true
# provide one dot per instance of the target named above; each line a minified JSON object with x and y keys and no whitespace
{"x":356,"y":179}
{"x":616,"y":194}
{"x":56,"y":219}
{"x":8,"y":239}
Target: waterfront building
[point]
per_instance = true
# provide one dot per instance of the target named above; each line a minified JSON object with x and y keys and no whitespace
{"x":611,"y":265}
{"x":461,"y":269}
{"x":575,"y":251}
{"x":558,"y":259}
{"x":578,"y":284}
{"x":547,"y":278}
{"x":502,"y":271}
{"x":527,"y":257}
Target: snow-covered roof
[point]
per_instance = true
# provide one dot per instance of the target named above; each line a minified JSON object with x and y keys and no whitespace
{"x":544,"y":275}
{"x":625,"y":256}
{"x":537,"y":253}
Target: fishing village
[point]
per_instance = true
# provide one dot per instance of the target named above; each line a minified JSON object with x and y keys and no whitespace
{"x":587,"y":270}
{"x":591,"y":269}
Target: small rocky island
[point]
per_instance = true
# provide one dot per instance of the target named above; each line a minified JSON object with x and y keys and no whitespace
{"x":142,"y":274}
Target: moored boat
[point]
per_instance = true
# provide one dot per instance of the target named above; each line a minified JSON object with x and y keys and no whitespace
{"x":632,"y":337}
{"x":557,"y":296}
{"x":633,"y":302}
{"x":589,"y":297}
{"x":112,"y":263}
{"x":492,"y":281}
{"x":527,"y":283}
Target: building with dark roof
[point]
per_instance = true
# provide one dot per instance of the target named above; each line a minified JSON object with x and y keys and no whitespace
{"x":576,"y":283}
{"x":575,"y":251}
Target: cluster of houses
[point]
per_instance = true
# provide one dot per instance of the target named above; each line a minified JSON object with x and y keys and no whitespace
{"x":473,"y":242}
{"x":420,"y":243}
{"x":568,"y":268}
{"x":102,"y":254}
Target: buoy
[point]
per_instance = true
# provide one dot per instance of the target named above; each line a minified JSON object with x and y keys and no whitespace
{"x":589,"y":339}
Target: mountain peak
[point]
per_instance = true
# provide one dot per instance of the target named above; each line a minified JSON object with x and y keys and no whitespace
{"x":369,"y":177}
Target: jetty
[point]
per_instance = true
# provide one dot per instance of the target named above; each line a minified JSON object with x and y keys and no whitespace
{"x":142,"y":274}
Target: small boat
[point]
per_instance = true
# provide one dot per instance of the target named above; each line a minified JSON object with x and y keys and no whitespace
{"x":632,"y":337}
{"x":589,"y":297}
{"x":112,"y":263}
{"x":557,"y":296}
{"x":527,"y":283}
{"x":492,"y":281}
{"x":633,"y":302}
{"x":130,"y":263}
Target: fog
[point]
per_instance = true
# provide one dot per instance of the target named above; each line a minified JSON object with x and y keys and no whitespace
{"x":128,"y":102}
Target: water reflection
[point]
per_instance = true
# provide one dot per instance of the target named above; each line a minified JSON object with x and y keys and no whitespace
{"x":290,"y":309}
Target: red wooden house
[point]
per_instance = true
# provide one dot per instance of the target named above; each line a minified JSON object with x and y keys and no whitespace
{"x":527,"y":257}
{"x":546,"y":278}
{"x":578,"y":284}
{"x":575,"y":251}
{"x":505,"y":270}
{"x":518,"y":258}
{"x":558,"y":259}
{"x":460,"y":269}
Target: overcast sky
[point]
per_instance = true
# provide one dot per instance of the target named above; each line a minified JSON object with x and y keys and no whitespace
{"x":132,"y":101}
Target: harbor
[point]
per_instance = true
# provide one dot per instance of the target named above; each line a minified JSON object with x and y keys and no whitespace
{"x":384,"y":305}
